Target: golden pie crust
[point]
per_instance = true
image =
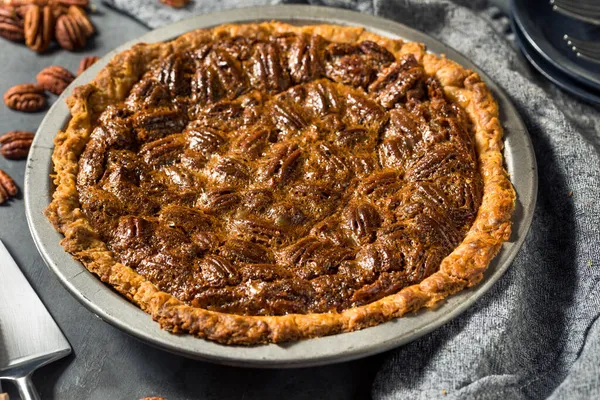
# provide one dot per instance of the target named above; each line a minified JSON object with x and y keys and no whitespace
{"x":462,"y":268}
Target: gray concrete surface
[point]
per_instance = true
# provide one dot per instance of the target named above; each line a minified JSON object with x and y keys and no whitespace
{"x":106,"y":363}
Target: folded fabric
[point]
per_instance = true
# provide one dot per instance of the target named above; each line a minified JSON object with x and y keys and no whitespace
{"x":536,"y":333}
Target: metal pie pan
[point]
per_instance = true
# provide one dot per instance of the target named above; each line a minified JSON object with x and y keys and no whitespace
{"x":116,"y":310}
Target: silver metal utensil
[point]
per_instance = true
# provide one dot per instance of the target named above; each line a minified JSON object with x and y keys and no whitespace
{"x":29,"y":337}
{"x":583,"y":10}
{"x":586,"y":49}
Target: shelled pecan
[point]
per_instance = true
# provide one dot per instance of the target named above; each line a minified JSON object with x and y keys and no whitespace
{"x":24,"y":3}
{"x":68,"y":3}
{"x":69,"y":34}
{"x":85,"y":63}
{"x":54,"y":79}
{"x":81,"y":18}
{"x":175,"y":3}
{"x":39,"y":27}
{"x":8,"y":188}
{"x":16,"y":144}
{"x":59,"y":9}
{"x":26,"y":97}
{"x":11,"y":24}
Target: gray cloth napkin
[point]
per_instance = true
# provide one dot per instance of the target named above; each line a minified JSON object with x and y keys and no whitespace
{"x":536,"y":333}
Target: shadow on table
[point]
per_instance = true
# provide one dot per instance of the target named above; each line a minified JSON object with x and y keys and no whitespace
{"x":144,"y":371}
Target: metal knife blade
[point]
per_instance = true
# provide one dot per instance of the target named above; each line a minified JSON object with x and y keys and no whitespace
{"x":29,"y":337}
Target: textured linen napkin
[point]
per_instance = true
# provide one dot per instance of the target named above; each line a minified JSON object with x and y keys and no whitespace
{"x":536,"y":333}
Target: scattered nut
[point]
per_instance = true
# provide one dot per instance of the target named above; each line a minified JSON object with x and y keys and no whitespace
{"x":175,"y":3}
{"x":82,"y":20}
{"x":54,"y":79}
{"x":68,"y":3}
{"x":85,"y":63}
{"x":59,"y":9}
{"x":26,"y":97}
{"x":8,"y":188}
{"x":11,"y":24}
{"x":35,"y":21}
{"x":16,"y":144}
{"x":19,"y":3}
{"x":69,"y":34}
{"x":39,"y":27}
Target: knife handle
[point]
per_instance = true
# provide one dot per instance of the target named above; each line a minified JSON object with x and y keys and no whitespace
{"x":26,"y":389}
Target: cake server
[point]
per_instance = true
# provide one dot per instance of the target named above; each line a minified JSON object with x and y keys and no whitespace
{"x":29,"y":337}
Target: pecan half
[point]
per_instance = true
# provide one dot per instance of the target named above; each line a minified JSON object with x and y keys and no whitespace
{"x":59,"y":9}
{"x":261,"y":231}
{"x":39,"y":27}
{"x":363,"y":220}
{"x":69,"y":33}
{"x":175,"y":3}
{"x":172,"y":75}
{"x":85,"y":63}
{"x":204,"y":139}
{"x":244,"y":251}
{"x":81,"y":18}
{"x":163,"y":151}
{"x":218,"y":272}
{"x":221,"y":199}
{"x":283,"y":163}
{"x":11,"y":24}
{"x":54,"y":79}
{"x":8,"y":188}
{"x":252,"y":143}
{"x":67,"y":3}
{"x":16,"y":144}
{"x":18,"y":3}
{"x":26,"y":97}
{"x":158,"y":123}
{"x":267,"y":70}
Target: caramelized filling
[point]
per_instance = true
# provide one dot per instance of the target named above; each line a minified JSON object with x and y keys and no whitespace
{"x":279,"y":175}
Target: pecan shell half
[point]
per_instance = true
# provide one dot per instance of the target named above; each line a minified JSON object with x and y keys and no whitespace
{"x":26,"y":97}
{"x":54,"y":79}
{"x":16,"y":144}
{"x":39,"y":27}
{"x":85,"y":63}
{"x":11,"y":25}
{"x":8,"y":188}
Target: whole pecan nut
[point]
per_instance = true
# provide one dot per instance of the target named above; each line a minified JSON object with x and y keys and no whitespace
{"x":11,"y":25}
{"x":8,"y":188}
{"x":175,"y":3}
{"x":81,"y":18}
{"x":85,"y":63}
{"x":69,"y":34}
{"x":16,"y":144}
{"x":39,"y":27}
{"x":26,"y":97}
{"x":54,"y":79}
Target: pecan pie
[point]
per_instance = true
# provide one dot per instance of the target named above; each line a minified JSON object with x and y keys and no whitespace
{"x":266,"y":182}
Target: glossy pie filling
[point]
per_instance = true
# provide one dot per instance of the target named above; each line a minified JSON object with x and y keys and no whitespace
{"x":286,"y":174}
